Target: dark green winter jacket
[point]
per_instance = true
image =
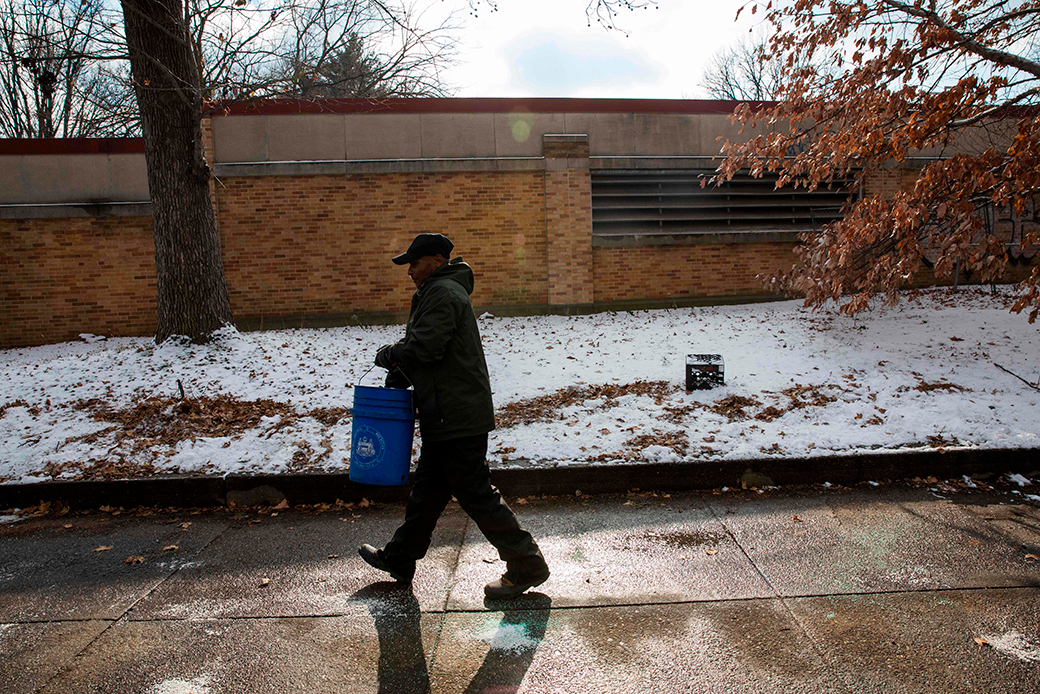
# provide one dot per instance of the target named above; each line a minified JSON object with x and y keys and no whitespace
{"x":442,"y":356}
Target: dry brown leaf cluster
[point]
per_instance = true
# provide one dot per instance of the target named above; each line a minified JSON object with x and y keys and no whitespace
{"x":545,"y":408}
{"x":733,"y":406}
{"x":926,"y":387}
{"x":171,"y":420}
{"x":34,"y":411}
{"x":329,"y":416}
{"x":800,"y":397}
{"x":165,"y":422}
{"x":675,"y":440}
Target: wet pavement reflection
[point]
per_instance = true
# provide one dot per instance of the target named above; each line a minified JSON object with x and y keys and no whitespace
{"x":890,"y":589}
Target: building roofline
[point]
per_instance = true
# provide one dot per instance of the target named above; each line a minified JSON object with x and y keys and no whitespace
{"x":72,"y":145}
{"x":279,"y":107}
{"x":271,"y":107}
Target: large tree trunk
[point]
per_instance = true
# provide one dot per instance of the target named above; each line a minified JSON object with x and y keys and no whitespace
{"x":192,"y":294}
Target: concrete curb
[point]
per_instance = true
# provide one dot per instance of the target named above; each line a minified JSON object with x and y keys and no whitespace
{"x":314,"y":488}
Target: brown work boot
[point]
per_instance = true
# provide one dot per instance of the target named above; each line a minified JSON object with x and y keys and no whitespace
{"x":510,"y":586}
{"x":374,"y":558}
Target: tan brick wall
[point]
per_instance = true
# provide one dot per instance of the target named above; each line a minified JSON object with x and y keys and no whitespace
{"x":321,"y":245}
{"x":63,"y":277}
{"x":678,"y":272}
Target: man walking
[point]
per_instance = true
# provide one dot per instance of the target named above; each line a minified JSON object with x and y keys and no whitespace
{"x":442,"y":356}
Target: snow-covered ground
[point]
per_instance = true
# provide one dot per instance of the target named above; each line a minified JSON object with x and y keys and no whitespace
{"x":593,"y":389}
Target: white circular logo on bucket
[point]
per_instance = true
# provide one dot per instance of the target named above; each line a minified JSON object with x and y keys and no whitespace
{"x":369,"y":447}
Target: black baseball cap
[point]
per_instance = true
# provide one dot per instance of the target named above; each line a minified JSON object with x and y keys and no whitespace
{"x":426,"y":244}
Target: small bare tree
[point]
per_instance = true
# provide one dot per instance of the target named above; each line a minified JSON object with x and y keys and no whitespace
{"x":64,"y":69}
{"x":269,"y":48}
{"x":743,"y":72}
{"x":56,"y":79}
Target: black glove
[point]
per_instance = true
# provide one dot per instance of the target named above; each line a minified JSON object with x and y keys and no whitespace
{"x":384,"y":357}
{"x":396,"y":379}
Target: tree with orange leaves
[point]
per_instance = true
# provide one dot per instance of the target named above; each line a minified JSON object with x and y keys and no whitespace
{"x":948,"y":89}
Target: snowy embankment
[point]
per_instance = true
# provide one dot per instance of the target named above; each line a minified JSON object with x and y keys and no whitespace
{"x":594,"y":389}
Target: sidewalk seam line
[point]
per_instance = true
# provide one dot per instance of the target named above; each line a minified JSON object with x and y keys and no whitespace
{"x":450,"y":587}
{"x":820,"y":654}
{"x":176,"y":571}
{"x":124,"y":617}
{"x":553,"y":608}
{"x":715,"y":514}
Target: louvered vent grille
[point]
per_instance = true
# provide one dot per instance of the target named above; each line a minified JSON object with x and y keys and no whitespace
{"x":672,"y":202}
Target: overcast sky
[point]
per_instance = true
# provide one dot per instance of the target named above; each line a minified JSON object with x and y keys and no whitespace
{"x":545,"y":48}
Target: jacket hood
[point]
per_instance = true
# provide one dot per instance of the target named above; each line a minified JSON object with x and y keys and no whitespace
{"x":454,"y":271}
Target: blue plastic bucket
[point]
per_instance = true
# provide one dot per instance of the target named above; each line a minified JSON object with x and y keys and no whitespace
{"x":381,"y":435}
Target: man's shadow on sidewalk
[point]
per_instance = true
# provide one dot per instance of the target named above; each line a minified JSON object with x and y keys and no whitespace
{"x":513,"y":645}
{"x":402,"y":658}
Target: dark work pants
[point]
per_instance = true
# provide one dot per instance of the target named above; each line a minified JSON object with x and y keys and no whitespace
{"x":458,"y":467}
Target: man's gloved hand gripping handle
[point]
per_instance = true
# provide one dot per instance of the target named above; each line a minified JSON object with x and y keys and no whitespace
{"x":385,"y":357}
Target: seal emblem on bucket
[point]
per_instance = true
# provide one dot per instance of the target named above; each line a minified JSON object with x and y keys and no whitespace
{"x":381,"y":440}
{"x":369,"y":447}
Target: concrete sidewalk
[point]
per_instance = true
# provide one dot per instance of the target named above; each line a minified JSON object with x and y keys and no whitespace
{"x":889,"y":589}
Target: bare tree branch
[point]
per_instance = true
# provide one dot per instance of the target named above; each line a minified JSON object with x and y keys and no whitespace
{"x":64,"y":69}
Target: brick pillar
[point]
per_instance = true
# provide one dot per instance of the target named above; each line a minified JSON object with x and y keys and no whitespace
{"x":568,"y":219}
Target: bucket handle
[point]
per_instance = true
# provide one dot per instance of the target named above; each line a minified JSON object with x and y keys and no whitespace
{"x":397,"y":368}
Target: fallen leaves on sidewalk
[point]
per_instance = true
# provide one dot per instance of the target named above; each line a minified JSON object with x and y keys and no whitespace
{"x":103,"y":548}
{"x":136,"y":559}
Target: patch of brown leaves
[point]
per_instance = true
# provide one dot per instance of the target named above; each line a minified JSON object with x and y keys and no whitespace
{"x":329,"y":416}
{"x":168,"y":421}
{"x":808,"y":396}
{"x":733,"y":406}
{"x":679,"y":414}
{"x":926,"y":387}
{"x":544,"y":408}
{"x":940,"y":441}
{"x":118,"y":469}
{"x":172,"y":420}
{"x":676,"y":440}
{"x":165,"y":422}
{"x":799,"y":397}
{"x":34,"y":411}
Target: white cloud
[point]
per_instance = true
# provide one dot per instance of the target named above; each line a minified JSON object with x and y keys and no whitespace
{"x":559,"y":64}
{"x":535,"y":48}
